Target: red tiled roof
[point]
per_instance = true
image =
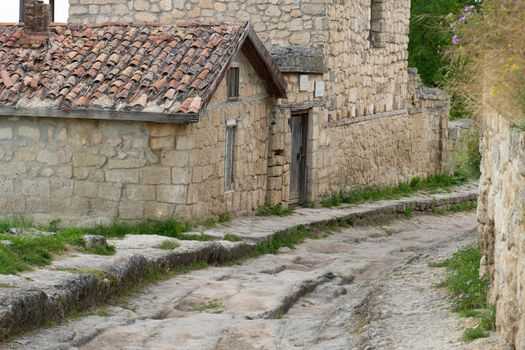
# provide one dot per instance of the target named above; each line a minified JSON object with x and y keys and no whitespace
{"x":157,"y":69}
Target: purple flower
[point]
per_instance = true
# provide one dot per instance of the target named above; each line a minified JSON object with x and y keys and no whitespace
{"x":462,"y":19}
{"x":455,"y":39}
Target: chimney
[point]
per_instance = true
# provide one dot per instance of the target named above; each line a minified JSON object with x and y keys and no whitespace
{"x":37,"y":17}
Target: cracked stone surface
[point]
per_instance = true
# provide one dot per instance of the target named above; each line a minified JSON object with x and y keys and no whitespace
{"x":359,"y":288}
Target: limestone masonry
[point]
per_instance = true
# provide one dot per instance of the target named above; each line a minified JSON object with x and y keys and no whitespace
{"x":501,"y":217}
{"x":353,"y":116}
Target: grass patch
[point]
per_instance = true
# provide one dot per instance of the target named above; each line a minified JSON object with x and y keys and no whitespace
{"x":169,"y":245}
{"x":469,"y":292}
{"x":102,"y":250}
{"x":215,"y":306}
{"x":376,"y":193}
{"x":232,"y":238}
{"x":408,"y":213}
{"x":274,"y":210}
{"x":466,"y":206}
{"x":284,"y":239}
{"x":25,"y":252}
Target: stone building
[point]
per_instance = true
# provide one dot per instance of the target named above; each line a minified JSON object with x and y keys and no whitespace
{"x":345,"y":63}
{"x":134,"y":122}
{"x":352,"y":115}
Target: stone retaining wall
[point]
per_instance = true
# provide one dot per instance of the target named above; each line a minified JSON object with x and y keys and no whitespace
{"x":501,"y":217}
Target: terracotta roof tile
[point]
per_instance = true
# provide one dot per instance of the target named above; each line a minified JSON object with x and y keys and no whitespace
{"x":115,"y":67}
{"x":168,"y":69}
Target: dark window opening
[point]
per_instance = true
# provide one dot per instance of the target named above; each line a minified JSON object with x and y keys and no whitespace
{"x":233,"y":83}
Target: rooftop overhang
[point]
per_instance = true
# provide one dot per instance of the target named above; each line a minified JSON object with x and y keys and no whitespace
{"x":178,"y":118}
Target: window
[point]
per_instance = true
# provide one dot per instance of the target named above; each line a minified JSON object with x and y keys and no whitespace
{"x":228,"y":161}
{"x":376,"y":23}
{"x":233,"y":83}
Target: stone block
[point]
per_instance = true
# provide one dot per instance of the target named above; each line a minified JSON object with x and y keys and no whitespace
{"x":104,"y":207}
{"x":12,"y":204}
{"x":82,"y":158}
{"x":128,"y":163}
{"x":130,"y":176}
{"x":6,"y":133}
{"x":175,"y":194}
{"x":35,"y":187}
{"x":180,"y":176}
{"x":155,"y":175}
{"x":140,"y":192}
{"x":29,"y":132}
{"x":174,"y":158}
{"x":86,"y":189}
{"x":47,"y":157}
{"x":158,"y":211}
{"x":13,"y":169}
{"x":162,"y":142}
{"x":131,"y":210}
{"x":109,"y":191}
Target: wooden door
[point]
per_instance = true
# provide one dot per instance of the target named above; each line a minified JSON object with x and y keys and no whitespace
{"x":299,"y":128}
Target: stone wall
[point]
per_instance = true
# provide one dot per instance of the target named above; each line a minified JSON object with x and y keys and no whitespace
{"x":501,"y":217}
{"x":85,"y":171}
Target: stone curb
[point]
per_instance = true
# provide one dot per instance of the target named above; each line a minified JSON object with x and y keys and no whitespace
{"x":29,"y":309}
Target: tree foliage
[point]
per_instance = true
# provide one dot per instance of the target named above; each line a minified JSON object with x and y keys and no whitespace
{"x":430,"y":35}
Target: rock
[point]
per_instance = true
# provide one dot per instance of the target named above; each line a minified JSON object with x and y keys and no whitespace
{"x":92,"y":241}
{"x":15,"y":231}
{"x":6,"y":242}
{"x":284,"y":250}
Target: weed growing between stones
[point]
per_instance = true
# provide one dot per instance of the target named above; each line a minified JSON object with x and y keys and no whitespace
{"x":232,"y":238}
{"x":274,"y":210}
{"x":169,"y":245}
{"x":374,"y":193}
{"x":469,"y":291}
{"x":283,"y":239}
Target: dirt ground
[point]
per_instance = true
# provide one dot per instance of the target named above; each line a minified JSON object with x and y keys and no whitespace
{"x":363,"y":288}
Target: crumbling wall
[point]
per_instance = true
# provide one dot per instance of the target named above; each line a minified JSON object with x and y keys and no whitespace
{"x":501,"y":217}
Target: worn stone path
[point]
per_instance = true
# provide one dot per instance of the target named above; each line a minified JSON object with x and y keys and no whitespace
{"x":259,"y":228}
{"x":76,"y":281}
{"x":360,"y":288}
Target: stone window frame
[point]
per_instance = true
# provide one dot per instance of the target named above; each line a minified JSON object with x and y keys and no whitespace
{"x":375,"y":34}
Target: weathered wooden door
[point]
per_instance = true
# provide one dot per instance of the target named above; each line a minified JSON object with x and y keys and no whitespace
{"x":299,"y":127}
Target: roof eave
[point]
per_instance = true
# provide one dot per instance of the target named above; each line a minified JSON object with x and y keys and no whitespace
{"x":176,"y":118}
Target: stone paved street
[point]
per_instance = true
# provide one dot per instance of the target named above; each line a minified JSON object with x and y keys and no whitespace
{"x":360,"y":288}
